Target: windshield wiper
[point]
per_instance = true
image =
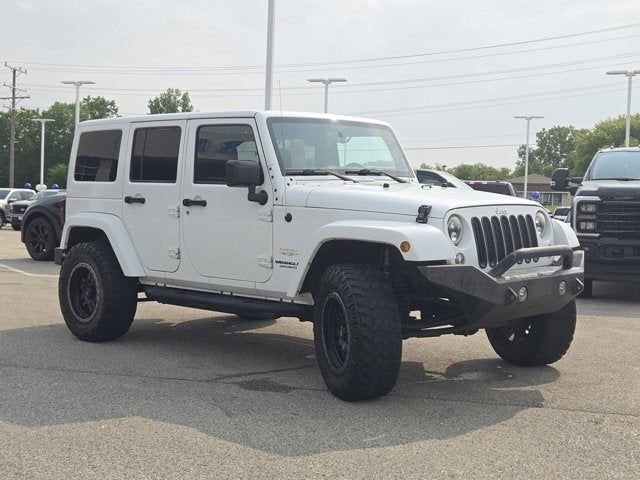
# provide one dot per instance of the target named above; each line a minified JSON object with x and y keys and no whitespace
{"x":312,"y":171}
{"x":366,"y":171}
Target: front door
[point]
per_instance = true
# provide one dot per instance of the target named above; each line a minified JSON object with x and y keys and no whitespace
{"x":225,"y":235}
{"x":152,"y":192}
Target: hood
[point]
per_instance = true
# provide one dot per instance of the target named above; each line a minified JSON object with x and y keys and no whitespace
{"x":396,"y":198}
{"x":611,"y":189}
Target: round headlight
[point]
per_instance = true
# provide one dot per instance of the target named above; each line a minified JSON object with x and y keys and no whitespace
{"x":541,"y":223}
{"x":454,"y":228}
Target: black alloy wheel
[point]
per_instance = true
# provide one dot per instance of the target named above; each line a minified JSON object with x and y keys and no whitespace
{"x":335,"y":332}
{"x":83,"y":291}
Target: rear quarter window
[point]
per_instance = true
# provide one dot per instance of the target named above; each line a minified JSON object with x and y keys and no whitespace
{"x":97,"y":157}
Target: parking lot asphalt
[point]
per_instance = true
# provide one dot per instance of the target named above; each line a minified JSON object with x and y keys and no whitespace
{"x":195,"y":394}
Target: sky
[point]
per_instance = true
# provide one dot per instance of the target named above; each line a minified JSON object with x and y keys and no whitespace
{"x":449,"y":76}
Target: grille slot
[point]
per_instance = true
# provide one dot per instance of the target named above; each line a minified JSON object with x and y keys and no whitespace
{"x":498,"y":236}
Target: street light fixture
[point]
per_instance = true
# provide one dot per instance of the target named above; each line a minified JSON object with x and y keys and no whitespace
{"x":528,"y":118}
{"x":630,"y":74}
{"x":326,"y":82}
{"x":77,"y":83}
{"x":42,"y":123}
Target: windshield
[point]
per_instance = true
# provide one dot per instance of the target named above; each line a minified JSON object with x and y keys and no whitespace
{"x":615,"y":165}
{"x":3,"y":193}
{"x":455,"y":181}
{"x":338,"y":146}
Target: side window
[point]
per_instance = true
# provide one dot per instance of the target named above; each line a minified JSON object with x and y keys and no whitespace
{"x":155,"y":155}
{"x":216,"y":145}
{"x":97,"y":158}
{"x":14,"y":197}
{"x":27,"y":195}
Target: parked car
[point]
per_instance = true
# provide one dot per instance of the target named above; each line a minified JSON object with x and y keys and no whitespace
{"x":561,"y":213}
{"x":42,"y":225}
{"x":606,"y":215}
{"x":17,"y":209}
{"x":261,"y":215}
{"x":9,"y":196}
{"x":439,"y":178}
{"x":493,"y":186}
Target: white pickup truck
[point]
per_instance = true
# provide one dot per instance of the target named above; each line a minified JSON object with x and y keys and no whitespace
{"x":319,"y":217}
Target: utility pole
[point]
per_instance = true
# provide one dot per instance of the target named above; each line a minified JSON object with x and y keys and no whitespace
{"x":268,"y":88}
{"x":326,"y":82}
{"x":77,"y":84}
{"x":528,"y":118}
{"x":15,"y":71}
{"x":42,"y":121}
{"x":630,"y":74}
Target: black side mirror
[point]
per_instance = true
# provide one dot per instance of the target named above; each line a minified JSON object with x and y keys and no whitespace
{"x":246,"y":173}
{"x":560,"y":180}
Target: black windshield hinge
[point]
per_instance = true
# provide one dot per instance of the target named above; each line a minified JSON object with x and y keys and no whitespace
{"x":423,"y":213}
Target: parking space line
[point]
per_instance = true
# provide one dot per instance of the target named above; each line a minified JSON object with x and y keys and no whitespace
{"x":17,"y":270}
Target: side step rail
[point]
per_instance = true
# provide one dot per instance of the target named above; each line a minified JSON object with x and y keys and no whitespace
{"x":226,"y":303}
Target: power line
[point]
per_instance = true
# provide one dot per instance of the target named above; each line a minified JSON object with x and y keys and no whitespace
{"x":128,"y":68}
{"x":446,"y":147}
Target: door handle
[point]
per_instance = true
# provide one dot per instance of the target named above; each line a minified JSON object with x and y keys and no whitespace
{"x":188,"y":202}
{"x":129,"y":199}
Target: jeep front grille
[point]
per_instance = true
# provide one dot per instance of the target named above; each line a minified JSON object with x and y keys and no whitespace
{"x":498,"y":236}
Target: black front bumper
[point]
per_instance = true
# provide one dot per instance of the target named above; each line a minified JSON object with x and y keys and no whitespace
{"x":611,"y":259}
{"x":491,"y":299}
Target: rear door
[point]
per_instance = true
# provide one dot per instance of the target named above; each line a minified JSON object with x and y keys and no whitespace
{"x":151,"y":192}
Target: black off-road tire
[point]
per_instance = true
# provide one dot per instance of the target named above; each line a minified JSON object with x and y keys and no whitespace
{"x":587,"y":292}
{"x":368,"y":366}
{"x":536,"y":341}
{"x":16,"y":226}
{"x":40,"y":239}
{"x":3,"y":219}
{"x":108,"y":312}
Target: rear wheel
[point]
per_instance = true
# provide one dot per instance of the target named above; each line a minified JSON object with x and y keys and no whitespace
{"x":357,"y":332}
{"x":98,"y":302}
{"x":3,"y":219}
{"x":40,"y":239}
{"x":15,"y":226}
{"x":535,"y":341}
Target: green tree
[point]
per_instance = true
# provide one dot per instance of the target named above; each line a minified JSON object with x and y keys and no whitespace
{"x":438,"y":166}
{"x":57,"y":174}
{"x":609,"y":132}
{"x":58,"y":137}
{"x":479,"y":171}
{"x":97,"y":107}
{"x":172,"y":100}
{"x":552,"y":150}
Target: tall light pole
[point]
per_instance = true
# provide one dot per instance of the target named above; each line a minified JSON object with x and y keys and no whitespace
{"x":268,"y":87}
{"x":630,"y":74}
{"x":528,"y":118}
{"x":326,"y":82}
{"x":42,"y":121}
{"x":77,"y":83}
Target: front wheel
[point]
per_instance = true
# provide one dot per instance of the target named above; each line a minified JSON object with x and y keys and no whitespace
{"x":40,"y":239}
{"x":15,"y":226}
{"x":535,"y":341}
{"x":98,"y":302}
{"x":357,"y":332}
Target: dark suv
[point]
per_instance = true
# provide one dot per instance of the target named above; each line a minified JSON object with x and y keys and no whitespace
{"x":42,"y":225}
{"x":606,"y":214}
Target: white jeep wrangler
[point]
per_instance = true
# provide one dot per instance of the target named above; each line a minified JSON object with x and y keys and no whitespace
{"x":320,"y":217}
